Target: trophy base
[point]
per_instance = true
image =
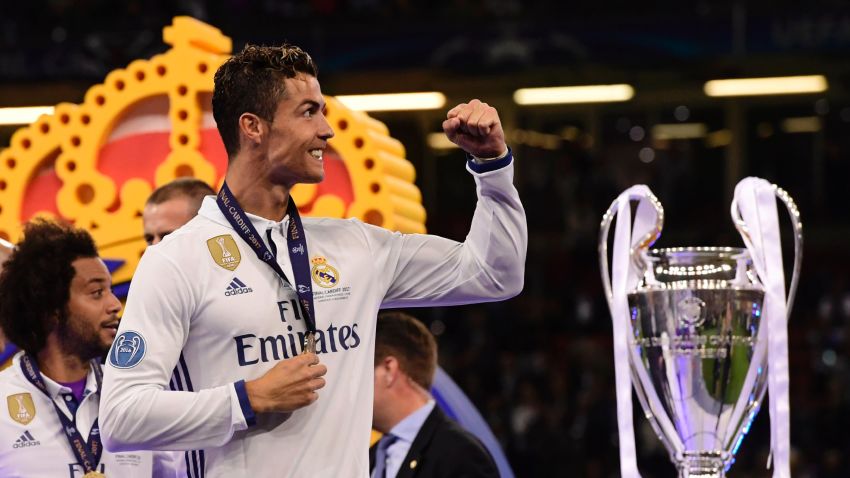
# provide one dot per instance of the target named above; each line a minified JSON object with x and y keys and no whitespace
{"x":702,"y":465}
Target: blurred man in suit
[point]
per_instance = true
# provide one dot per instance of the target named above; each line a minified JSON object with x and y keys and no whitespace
{"x":419,"y":440}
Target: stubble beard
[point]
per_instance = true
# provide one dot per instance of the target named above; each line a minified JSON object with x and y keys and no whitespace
{"x":79,"y":338}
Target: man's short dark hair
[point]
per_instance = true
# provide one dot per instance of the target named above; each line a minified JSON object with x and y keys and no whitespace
{"x":252,"y":82}
{"x":408,"y":340}
{"x":35,"y":284}
{"x":191,"y":188}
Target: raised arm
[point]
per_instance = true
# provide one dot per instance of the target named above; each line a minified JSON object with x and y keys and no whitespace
{"x":490,"y":264}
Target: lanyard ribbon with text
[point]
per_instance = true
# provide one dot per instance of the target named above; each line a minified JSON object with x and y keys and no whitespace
{"x":296,"y":245}
{"x":88,"y":454}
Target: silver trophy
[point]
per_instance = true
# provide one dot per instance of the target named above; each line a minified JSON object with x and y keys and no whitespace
{"x":696,"y":340}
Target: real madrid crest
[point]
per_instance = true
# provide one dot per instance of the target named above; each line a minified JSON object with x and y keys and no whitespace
{"x":224,"y":251}
{"x":21,"y":407}
{"x":323,"y":273}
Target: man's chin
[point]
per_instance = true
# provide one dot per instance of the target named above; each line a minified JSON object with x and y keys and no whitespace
{"x":316,"y":179}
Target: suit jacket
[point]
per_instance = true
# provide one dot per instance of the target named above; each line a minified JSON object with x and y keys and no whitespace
{"x":442,"y":449}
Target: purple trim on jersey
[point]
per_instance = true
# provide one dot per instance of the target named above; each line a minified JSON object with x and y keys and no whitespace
{"x":10,"y":350}
{"x":77,"y":388}
{"x":488,"y":166}
{"x":245,"y":404}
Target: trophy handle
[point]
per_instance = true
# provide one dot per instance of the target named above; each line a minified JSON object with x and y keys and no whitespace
{"x":644,"y":243}
{"x":797,"y":226}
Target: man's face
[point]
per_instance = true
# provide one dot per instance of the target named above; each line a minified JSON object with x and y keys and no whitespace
{"x":298,"y":135}
{"x":92,"y":311}
{"x":160,"y":220}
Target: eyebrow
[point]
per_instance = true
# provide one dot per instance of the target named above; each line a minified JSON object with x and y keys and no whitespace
{"x":314,"y":104}
{"x":98,"y":280}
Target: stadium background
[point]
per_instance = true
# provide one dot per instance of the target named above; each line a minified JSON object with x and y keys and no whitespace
{"x":539,"y":367}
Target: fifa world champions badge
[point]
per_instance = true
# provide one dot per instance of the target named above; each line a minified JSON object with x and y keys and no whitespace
{"x":21,"y":407}
{"x":224,"y":251}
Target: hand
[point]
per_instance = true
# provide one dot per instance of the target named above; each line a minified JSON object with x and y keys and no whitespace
{"x":291,"y":384}
{"x":476,"y":128}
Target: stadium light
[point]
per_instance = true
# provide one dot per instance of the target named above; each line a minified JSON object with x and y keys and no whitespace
{"x":574,"y":94}
{"x":23,"y":115}
{"x":780,"y":85}
{"x":804,"y":124}
{"x":427,"y":100}
{"x":667,"y":131}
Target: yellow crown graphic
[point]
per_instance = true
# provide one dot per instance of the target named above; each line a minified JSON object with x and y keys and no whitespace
{"x":95,"y":163}
{"x":318,"y":260}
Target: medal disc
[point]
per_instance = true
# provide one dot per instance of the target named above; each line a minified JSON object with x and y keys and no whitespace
{"x":309,"y":343}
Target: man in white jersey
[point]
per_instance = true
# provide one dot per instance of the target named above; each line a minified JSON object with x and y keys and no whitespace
{"x":233,"y":311}
{"x":57,"y":306}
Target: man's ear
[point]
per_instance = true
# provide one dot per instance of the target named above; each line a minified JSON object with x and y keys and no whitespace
{"x":390,"y":365}
{"x":252,"y":127}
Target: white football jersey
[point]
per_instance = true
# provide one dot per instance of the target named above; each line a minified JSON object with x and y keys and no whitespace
{"x":204,"y":314}
{"x":33,"y":443}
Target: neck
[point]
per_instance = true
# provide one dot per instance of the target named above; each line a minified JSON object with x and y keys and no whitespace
{"x":59,"y":365}
{"x":253,"y":191}
{"x":407,"y":402}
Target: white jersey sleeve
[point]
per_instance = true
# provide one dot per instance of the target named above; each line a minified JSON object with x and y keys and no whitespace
{"x":137,"y":409}
{"x":424,"y":270}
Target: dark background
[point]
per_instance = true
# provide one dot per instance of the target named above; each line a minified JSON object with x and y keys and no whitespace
{"x":539,"y":367}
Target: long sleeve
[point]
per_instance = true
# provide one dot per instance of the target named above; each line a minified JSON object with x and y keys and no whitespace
{"x":425,"y":270}
{"x":137,"y":408}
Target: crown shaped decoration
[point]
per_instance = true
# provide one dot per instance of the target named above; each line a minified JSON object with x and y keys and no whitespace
{"x":95,"y":163}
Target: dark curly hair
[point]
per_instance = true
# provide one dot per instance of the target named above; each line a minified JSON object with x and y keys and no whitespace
{"x":36,"y":281}
{"x":252,"y":82}
{"x":408,"y":340}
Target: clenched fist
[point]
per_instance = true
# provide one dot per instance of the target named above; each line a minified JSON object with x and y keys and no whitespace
{"x":476,"y":128}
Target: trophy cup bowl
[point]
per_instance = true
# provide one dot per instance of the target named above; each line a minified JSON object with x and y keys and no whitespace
{"x":696,"y":362}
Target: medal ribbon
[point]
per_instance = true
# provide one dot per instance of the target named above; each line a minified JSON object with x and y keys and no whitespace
{"x":296,"y":244}
{"x":88,"y":454}
{"x":756,"y":200}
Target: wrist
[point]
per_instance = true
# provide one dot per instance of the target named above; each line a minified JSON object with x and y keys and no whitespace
{"x":254,"y":397}
{"x":484,"y":157}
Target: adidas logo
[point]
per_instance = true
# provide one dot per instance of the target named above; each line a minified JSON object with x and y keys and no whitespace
{"x":237,"y":287}
{"x":26,"y":440}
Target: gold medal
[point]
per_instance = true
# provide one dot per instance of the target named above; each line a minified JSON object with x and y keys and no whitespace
{"x":94,"y":474}
{"x":309,"y":343}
